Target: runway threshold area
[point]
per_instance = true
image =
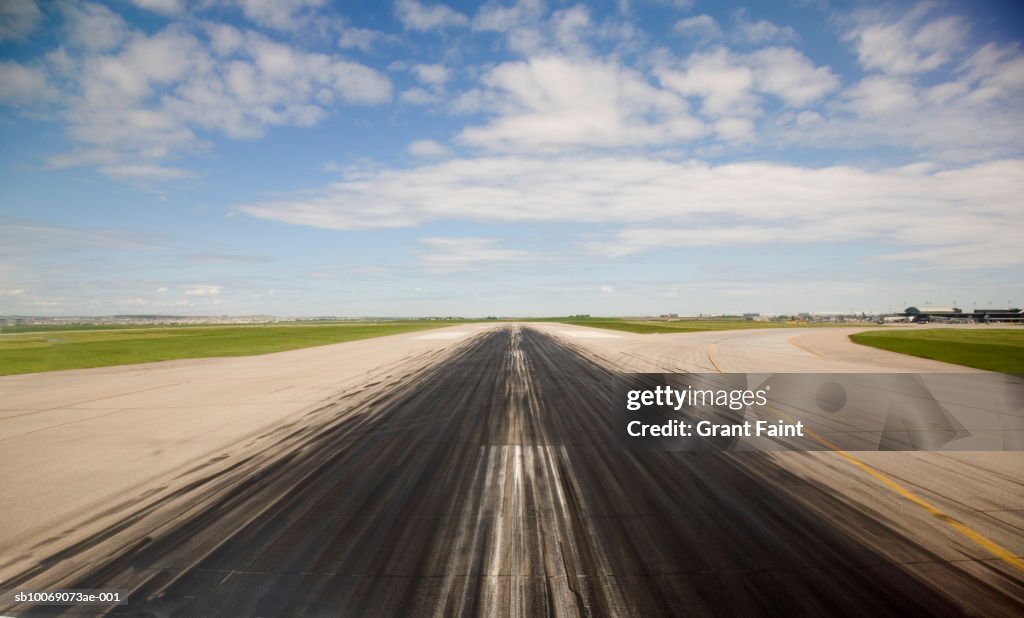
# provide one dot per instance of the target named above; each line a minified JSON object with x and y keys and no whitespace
{"x":491,"y":484}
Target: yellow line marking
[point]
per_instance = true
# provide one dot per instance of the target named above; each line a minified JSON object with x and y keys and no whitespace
{"x":800,"y":347}
{"x":981,"y":540}
{"x":712,"y":359}
{"x":991,"y":546}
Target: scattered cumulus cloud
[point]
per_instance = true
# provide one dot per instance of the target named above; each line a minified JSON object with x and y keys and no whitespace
{"x":204,"y":290}
{"x":18,"y":19}
{"x":215,"y":257}
{"x":92,"y":27}
{"x":971,"y":115}
{"x":362,"y":39}
{"x":432,"y":74}
{"x":914,"y":42}
{"x":498,"y":17}
{"x":280,"y":14}
{"x":132,"y":101}
{"x":25,"y":237}
{"x":427,"y":148}
{"x":563,"y":114}
{"x":422,"y":16}
{"x":701,"y":28}
{"x":555,"y":102}
{"x":760,"y":31}
{"x":743,"y":31}
{"x":663,"y":204}
{"x":24,"y":85}
{"x":730,"y":86}
{"x":146,"y":171}
{"x":459,"y":254}
{"x":420,"y":96}
{"x":679,"y":5}
{"x":164,"y":7}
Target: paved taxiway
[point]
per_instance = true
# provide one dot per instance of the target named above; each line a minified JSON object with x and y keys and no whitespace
{"x":472,"y":472}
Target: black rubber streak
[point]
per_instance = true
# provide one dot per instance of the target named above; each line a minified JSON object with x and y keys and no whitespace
{"x":491,"y":484}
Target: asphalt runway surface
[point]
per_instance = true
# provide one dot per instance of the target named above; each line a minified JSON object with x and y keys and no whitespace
{"x":490,"y":484}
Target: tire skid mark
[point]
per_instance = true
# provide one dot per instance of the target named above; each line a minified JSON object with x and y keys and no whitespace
{"x":491,"y":484}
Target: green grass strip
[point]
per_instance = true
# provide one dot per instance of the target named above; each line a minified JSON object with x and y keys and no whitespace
{"x":66,"y":349}
{"x":999,"y":350}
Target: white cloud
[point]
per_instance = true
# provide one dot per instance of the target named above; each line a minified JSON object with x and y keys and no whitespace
{"x":12,"y":292}
{"x":971,"y":116}
{"x":497,"y":17}
{"x":164,"y":7}
{"x":204,"y":290}
{"x":132,"y":100}
{"x":427,"y":148}
{"x":555,"y":102}
{"x":879,"y":95}
{"x":93,"y":27}
{"x":35,"y":237}
{"x":362,"y":39}
{"x":419,"y":96}
{"x":656,"y":203}
{"x":730,"y":86}
{"x":146,"y":171}
{"x":432,"y":74}
{"x":570,"y":26}
{"x":702,"y":28}
{"x":760,"y":32}
{"x":22,"y":85}
{"x":722,"y":82}
{"x":434,"y":77}
{"x":422,"y":17}
{"x":458,"y":254}
{"x":528,"y":30}
{"x":735,"y":129}
{"x":914,"y":43}
{"x":280,"y":14}
{"x":18,"y":19}
{"x":681,"y":5}
{"x":791,"y":76}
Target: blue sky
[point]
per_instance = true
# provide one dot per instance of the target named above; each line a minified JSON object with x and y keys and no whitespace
{"x":636,"y":157}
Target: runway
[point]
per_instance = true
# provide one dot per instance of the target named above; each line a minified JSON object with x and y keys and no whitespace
{"x":489,"y":483}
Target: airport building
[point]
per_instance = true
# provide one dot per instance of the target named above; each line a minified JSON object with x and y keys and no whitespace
{"x":957,"y":315}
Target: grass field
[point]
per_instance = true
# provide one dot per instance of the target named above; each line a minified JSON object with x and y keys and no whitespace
{"x":47,"y":328}
{"x":50,"y":350}
{"x":28,"y":349}
{"x":993,"y":350}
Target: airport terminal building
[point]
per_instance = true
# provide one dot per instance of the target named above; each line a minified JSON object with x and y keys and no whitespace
{"x":957,"y":315}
